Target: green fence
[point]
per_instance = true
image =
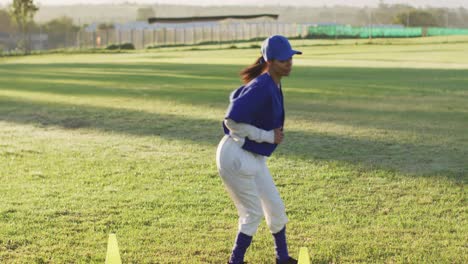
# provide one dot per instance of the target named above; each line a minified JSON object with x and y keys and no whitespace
{"x":339,"y":31}
{"x":446,"y":31}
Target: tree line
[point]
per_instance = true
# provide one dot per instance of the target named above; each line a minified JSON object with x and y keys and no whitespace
{"x":18,"y":18}
{"x":401,"y":14}
{"x":421,"y":17}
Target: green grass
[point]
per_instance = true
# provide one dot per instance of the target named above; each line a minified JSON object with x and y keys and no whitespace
{"x":373,"y":167}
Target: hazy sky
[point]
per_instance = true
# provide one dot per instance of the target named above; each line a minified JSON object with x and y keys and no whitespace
{"x":419,"y":3}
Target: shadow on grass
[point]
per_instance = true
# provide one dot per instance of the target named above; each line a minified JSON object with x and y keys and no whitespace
{"x":171,"y":79}
{"x":421,"y":160}
{"x":197,"y":84}
{"x":317,"y":93}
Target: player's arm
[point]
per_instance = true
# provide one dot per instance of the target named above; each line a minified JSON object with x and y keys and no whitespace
{"x":242,"y":130}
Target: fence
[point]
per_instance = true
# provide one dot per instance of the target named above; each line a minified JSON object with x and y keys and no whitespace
{"x":154,"y":35}
{"x":339,"y":31}
{"x":446,"y":31}
{"x":183,"y":34}
{"x":167,"y":36}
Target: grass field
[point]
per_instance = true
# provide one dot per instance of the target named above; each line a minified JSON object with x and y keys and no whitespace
{"x":373,"y":168}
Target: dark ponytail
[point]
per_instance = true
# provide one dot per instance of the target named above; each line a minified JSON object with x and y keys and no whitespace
{"x":253,"y":71}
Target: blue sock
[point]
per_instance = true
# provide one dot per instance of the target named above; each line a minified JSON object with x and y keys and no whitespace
{"x":280,"y":245}
{"x":240,"y":247}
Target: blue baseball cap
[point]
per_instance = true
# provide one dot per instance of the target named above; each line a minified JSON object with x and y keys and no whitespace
{"x":277,"y":47}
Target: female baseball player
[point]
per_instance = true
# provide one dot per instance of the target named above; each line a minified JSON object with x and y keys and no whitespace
{"x":253,"y":128}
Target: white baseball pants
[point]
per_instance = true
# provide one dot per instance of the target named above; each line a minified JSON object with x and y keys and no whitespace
{"x":251,"y":187}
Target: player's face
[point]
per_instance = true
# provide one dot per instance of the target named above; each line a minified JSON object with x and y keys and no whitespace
{"x":282,"y":67}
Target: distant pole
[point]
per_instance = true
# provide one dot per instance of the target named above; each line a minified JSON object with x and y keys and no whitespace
{"x":220,"y":37}
{"x":79,"y":34}
{"x":407,"y":23}
{"x":184,"y":37}
{"x":244,"y":37}
{"x":235,"y":32}
{"x":407,"y":18}
{"x":334,"y":20}
{"x":194,"y":34}
{"x":212,"y":33}
{"x":257,"y":31}
{"x":447,"y":19}
{"x":40,"y":38}
{"x":203,"y":34}
{"x":370,"y":23}
{"x":447,"y":24}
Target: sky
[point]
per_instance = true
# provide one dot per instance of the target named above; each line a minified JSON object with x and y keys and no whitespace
{"x":417,"y":3}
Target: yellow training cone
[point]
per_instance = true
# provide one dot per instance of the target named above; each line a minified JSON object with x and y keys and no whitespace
{"x":113,"y":256}
{"x":304,"y":256}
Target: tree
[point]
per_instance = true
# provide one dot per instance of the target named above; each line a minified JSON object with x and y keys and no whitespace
{"x":60,"y":31}
{"x":144,"y":13}
{"x":105,"y":26}
{"x":416,"y":18}
{"x":5,"y":22}
{"x":382,"y":14}
{"x":22,"y":12}
{"x":463,"y":17}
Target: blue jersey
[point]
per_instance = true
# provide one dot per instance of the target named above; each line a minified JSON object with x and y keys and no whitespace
{"x":258,"y":103}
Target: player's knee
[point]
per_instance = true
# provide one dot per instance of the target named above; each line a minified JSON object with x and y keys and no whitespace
{"x":249,"y":224}
{"x":277,"y":222}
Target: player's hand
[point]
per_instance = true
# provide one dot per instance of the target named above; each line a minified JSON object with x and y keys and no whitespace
{"x":279,"y":135}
